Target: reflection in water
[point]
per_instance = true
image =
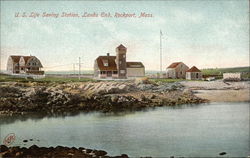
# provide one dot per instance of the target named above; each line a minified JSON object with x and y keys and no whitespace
{"x":37,"y":116}
{"x":185,"y":130}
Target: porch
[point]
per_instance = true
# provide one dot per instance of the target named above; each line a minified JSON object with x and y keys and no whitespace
{"x":108,"y":74}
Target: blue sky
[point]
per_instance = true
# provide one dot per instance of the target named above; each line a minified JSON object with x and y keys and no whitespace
{"x":201,"y":33}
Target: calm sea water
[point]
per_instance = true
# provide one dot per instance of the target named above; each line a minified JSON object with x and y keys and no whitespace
{"x":198,"y":130}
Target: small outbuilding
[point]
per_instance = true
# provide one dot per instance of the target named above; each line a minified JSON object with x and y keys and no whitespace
{"x":193,"y":74}
{"x":176,"y":70}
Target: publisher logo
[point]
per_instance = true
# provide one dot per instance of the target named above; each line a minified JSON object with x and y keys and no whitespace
{"x":9,"y":139}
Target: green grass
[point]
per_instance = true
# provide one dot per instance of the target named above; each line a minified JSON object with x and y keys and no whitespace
{"x":220,"y":71}
{"x":164,"y":80}
{"x":7,"y":78}
{"x":57,"y":79}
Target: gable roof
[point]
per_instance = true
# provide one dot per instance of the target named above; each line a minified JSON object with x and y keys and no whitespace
{"x":111,"y":63}
{"x":121,"y":46}
{"x":135,"y":65}
{"x":174,"y":65}
{"x":15,"y":58}
{"x":26,"y":58}
{"x":193,"y":69}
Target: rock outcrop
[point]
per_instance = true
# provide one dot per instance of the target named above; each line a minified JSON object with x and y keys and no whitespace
{"x":50,"y":99}
{"x":60,"y":151}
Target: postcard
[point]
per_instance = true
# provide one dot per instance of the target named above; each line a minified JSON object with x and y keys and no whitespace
{"x":109,"y":78}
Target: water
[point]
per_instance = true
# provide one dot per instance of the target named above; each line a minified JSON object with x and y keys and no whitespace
{"x":198,"y":130}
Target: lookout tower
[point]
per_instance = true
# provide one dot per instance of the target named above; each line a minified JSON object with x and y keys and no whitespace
{"x":121,"y":61}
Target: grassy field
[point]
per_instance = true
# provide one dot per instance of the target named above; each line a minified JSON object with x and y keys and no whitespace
{"x":7,"y":78}
{"x":220,"y":71}
{"x":164,"y":80}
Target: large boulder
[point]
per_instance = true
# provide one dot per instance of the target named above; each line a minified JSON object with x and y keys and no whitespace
{"x":143,"y":80}
{"x":3,"y":148}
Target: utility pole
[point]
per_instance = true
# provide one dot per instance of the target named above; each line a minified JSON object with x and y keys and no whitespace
{"x":74,"y":69}
{"x":79,"y":68}
{"x":160,"y":53}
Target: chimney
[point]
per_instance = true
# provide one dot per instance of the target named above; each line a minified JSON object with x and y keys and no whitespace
{"x":107,"y":54}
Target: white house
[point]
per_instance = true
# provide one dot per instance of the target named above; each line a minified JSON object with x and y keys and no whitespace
{"x":24,"y":65}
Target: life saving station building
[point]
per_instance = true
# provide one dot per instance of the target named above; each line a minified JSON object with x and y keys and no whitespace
{"x":116,"y":67}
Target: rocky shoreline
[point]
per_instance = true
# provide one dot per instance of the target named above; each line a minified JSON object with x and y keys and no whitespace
{"x":70,"y":98}
{"x":57,"y":152}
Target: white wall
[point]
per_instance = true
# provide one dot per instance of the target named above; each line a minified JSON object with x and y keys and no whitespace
{"x":10,"y":65}
{"x":231,"y":75}
{"x":193,"y":75}
{"x":135,"y":72}
{"x":170,"y":73}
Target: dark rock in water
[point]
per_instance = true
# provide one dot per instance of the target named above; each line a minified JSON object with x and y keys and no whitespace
{"x":124,"y":156}
{"x":100,"y":153}
{"x":223,"y":153}
{"x":8,"y":155}
{"x":25,"y":140}
{"x":33,"y":147}
{"x":81,"y":148}
{"x":59,"y":151}
{"x":14,"y":149}
{"x":3,"y":148}
{"x":23,"y":148}
{"x":88,"y":150}
{"x":31,"y":139}
{"x":74,"y":148}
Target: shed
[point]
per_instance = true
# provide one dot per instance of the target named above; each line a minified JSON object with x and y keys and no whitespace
{"x":193,"y":74}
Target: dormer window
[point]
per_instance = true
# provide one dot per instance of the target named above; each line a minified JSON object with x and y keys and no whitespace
{"x":105,"y":63}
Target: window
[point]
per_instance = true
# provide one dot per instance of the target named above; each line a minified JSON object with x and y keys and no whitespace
{"x":120,"y":62}
{"x":114,"y":72}
{"x":124,"y":56}
{"x":122,"y":71}
{"x":181,"y":72}
{"x":197,"y":75}
{"x":105,"y":62}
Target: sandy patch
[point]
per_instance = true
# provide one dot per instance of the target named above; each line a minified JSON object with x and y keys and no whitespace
{"x":224,"y":95}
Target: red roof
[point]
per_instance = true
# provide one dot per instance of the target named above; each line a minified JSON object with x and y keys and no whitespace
{"x":174,"y":65}
{"x":111,"y":63}
{"x":193,"y":69}
{"x":26,"y":58}
{"x":121,"y":46}
{"x":15,"y":58}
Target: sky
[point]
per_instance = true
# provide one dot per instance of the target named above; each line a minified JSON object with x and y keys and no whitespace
{"x":207,"y":34}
